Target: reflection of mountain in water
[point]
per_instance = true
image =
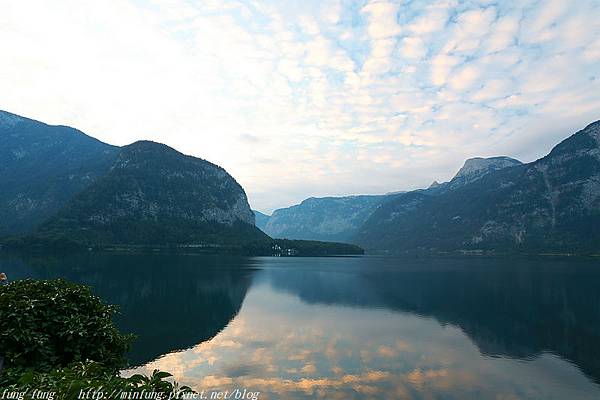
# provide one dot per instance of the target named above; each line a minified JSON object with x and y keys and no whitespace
{"x":169,"y":302}
{"x":513,"y":308}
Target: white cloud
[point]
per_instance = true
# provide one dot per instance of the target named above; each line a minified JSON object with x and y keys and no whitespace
{"x":380,"y":59}
{"x":539,"y":24}
{"x":330,"y":11}
{"x":309,"y":25}
{"x":493,"y":89}
{"x":591,"y":52}
{"x":503,"y":34}
{"x":441,"y":65}
{"x":433,"y":19}
{"x":470,"y":27}
{"x":309,"y":98}
{"x":382,"y":19}
{"x":413,"y":47}
{"x":464,"y":78}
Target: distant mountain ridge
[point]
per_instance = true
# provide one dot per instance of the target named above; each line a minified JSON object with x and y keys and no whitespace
{"x":492,"y":204}
{"x":549,"y":205}
{"x":326,"y":218}
{"x":261,"y":219}
{"x":58,"y":183}
{"x":340,"y":218}
{"x":42,"y":167}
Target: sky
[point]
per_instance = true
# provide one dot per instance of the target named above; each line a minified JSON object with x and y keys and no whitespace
{"x":303,"y":98}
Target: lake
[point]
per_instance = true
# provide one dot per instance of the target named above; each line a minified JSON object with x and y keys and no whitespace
{"x":354,"y":327}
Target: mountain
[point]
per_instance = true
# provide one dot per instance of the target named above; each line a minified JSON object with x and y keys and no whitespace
{"x":549,"y":205}
{"x":339,"y":218}
{"x":61,"y":189}
{"x":472,"y":170}
{"x":42,"y":167}
{"x":475,"y":168}
{"x":327,"y":218}
{"x":260,"y":219}
{"x":153,"y":194}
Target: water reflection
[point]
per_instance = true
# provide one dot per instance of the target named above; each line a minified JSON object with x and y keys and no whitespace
{"x":388,"y":328}
{"x":382,"y":328}
{"x":356,"y":327}
{"x":168,"y":302}
{"x":515,"y":309}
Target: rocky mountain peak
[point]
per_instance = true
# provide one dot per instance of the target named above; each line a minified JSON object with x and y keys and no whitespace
{"x":549,"y":205}
{"x":478,"y":166}
{"x":586,"y":142}
{"x":593,"y":130}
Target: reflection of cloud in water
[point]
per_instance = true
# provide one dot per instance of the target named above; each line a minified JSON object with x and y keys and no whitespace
{"x":354,"y":327}
{"x":285,"y":348}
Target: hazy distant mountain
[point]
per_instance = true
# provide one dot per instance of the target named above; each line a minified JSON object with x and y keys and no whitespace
{"x":550,"y":205}
{"x":42,"y":167}
{"x":327,"y":218}
{"x":261,"y":219}
{"x":339,"y":218}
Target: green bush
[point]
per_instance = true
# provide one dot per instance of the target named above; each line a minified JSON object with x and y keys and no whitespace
{"x":68,"y":383}
{"x":58,"y":337}
{"x":50,"y":324}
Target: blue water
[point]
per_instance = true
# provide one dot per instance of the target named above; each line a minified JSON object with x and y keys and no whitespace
{"x":363,"y":327}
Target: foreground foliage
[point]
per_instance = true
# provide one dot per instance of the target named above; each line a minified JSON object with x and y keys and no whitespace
{"x":94,"y":378}
{"x":57,"y":336}
{"x":45,"y":324}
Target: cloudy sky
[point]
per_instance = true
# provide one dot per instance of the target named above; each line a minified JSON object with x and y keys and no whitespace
{"x":310,"y":98}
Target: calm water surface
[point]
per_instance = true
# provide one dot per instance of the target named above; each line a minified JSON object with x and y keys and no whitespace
{"x":353,"y":327}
